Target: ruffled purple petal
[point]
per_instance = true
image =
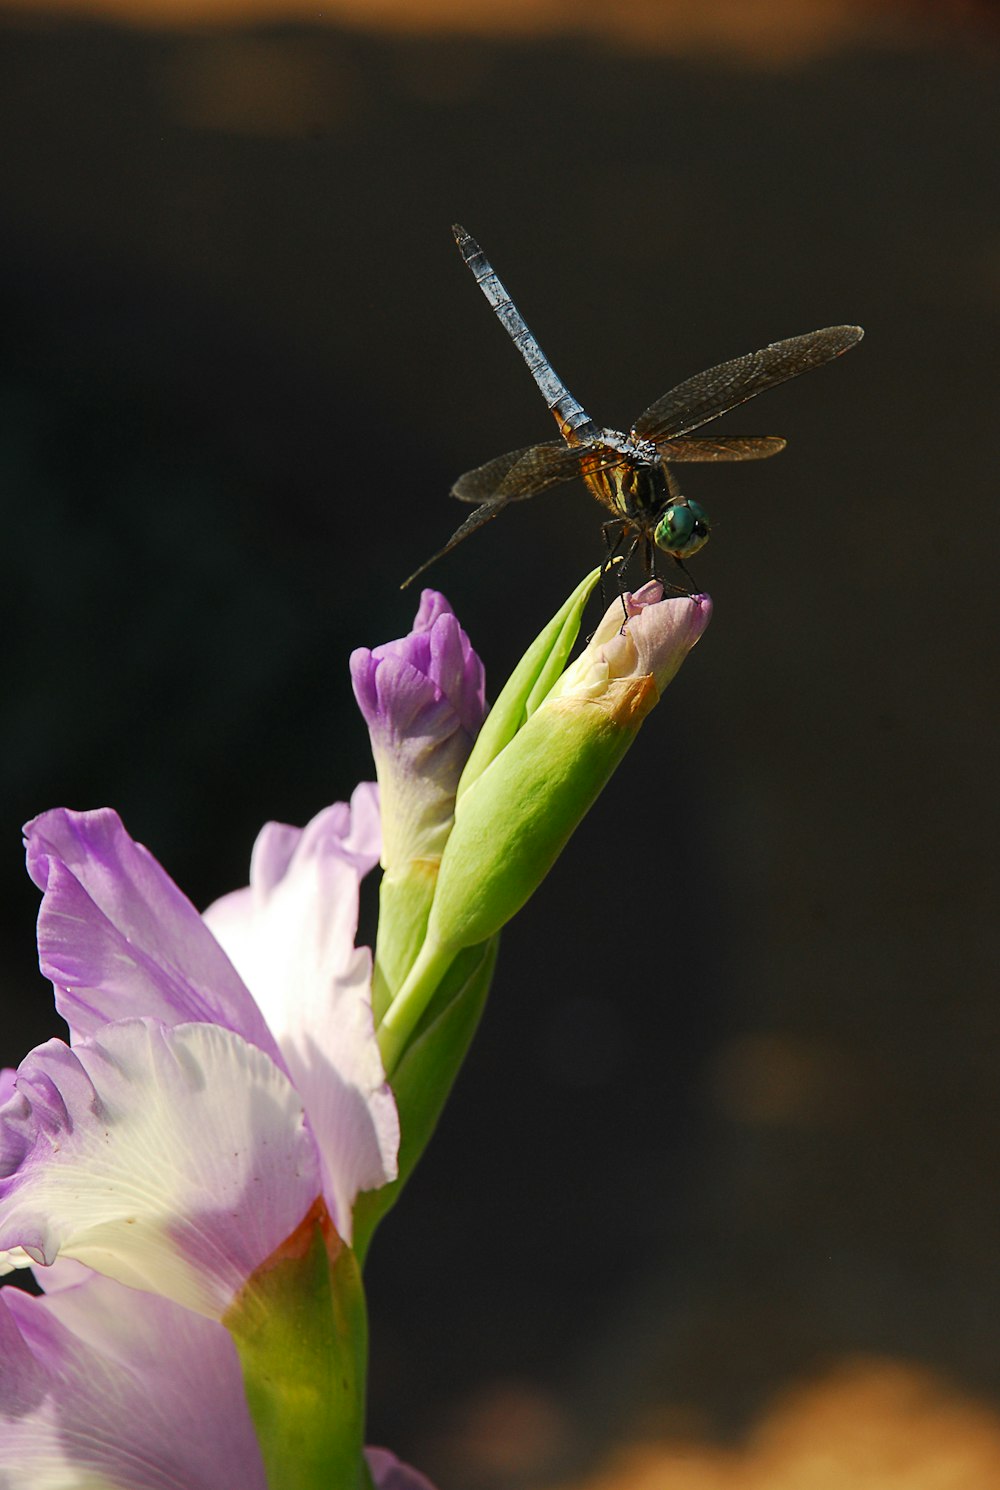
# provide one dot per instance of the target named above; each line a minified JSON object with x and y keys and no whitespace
{"x":173,"y":1160}
{"x":117,"y":937}
{"x":291,"y":936}
{"x":100,"y":1384}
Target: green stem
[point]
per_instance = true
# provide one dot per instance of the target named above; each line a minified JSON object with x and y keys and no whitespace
{"x":300,"y":1330}
{"x":403,"y":1014}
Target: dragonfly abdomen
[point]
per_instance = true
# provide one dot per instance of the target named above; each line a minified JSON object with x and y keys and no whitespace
{"x":573,"y":420}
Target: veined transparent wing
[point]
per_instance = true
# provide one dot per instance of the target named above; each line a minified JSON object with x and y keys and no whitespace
{"x":709,"y":394}
{"x":520,"y":473}
{"x":749,"y":447}
{"x":508,"y":478}
{"x":483,"y":514}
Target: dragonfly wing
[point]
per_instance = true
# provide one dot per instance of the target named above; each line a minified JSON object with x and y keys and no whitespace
{"x":751,"y":447}
{"x":509,"y":478}
{"x":482,"y":515}
{"x":520,"y":473}
{"x":711,"y":393}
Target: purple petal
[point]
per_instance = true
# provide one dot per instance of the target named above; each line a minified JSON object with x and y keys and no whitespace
{"x":432,"y":606}
{"x":173,"y":1160}
{"x":291,"y":935}
{"x":437,"y":650}
{"x":101,"y":1384}
{"x":119,"y":939}
{"x":423,"y":699}
{"x":389,"y":1474}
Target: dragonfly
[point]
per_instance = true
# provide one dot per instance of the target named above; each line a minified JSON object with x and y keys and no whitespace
{"x":630,"y":472}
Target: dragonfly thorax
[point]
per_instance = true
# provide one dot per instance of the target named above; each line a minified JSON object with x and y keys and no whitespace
{"x":629,"y":476}
{"x":628,"y":448}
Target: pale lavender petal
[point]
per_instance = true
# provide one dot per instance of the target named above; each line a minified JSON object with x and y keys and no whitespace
{"x":389,"y":1474}
{"x":117,"y":937}
{"x":363,"y":839}
{"x":173,"y":1160}
{"x":63,"y":1273}
{"x":423,"y":699}
{"x":652,"y":644}
{"x":664,"y":631}
{"x":101,"y":1385}
{"x":354,"y":826}
{"x":291,"y":936}
{"x":7,"y":1077}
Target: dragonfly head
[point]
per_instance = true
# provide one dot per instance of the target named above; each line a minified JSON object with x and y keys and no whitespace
{"x":682,"y":529}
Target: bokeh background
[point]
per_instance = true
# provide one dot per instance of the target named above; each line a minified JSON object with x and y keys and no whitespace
{"x":716,"y":1194}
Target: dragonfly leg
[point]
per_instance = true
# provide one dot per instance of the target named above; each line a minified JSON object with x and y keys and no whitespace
{"x":615,"y":527}
{"x":617,"y":560}
{"x":613,"y":556}
{"x":691,"y":587}
{"x":631,"y":550}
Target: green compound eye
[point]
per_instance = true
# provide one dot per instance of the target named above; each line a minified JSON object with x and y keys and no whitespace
{"x":682,"y":530}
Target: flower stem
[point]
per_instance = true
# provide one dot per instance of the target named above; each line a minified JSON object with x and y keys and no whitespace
{"x":300,"y":1331}
{"x":404,"y":1012}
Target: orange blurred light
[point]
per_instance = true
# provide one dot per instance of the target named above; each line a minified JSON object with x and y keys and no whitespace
{"x":868,"y":1425}
{"x":765,"y":32}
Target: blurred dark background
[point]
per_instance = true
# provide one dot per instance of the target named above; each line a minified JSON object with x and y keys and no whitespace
{"x":732,"y":1115}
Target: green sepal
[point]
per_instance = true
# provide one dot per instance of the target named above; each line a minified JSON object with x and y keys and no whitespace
{"x":426,"y":1073}
{"x":301,"y":1333}
{"x":529,"y":683}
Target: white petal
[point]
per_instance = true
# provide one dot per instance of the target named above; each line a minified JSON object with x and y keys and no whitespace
{"x":290,"y":935}
{"x":172,"y":1160}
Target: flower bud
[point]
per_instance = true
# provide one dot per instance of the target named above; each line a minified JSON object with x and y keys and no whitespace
{"x":514,"y":820}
